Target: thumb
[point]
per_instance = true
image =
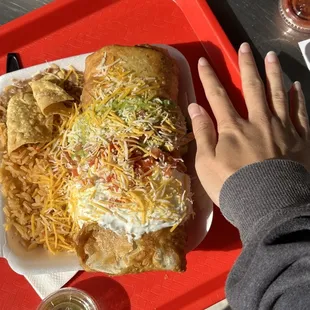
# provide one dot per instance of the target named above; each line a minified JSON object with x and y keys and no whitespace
{"x":203,"y":129}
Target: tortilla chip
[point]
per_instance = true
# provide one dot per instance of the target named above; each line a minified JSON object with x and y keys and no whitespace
{"x":3,"y":136}
{"x":25,"y":122}
{"x":50,"y":97}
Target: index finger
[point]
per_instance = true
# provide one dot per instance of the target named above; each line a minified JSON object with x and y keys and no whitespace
{"x":216,"y":94}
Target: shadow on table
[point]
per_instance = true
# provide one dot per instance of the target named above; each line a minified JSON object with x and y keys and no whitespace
{"x":222,"y":235}
{"x":234,"y":30}
{"x":108,"y":293}
{"x":193,"y":51}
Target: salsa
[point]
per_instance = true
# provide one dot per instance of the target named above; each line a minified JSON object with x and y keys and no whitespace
{"x":296,"y":14}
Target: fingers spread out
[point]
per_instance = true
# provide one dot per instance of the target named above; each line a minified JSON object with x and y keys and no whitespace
{"x":219,"y":101}
{"x":275,"y":87}
{"x":298,"y":111}
{"x":252,"y":85}
{"x":203,"y":128}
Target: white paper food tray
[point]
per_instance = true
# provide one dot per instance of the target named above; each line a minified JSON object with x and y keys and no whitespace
{"x":39,"y":261}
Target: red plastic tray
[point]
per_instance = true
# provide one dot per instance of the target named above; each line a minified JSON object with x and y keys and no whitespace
{"x":71,"y":27}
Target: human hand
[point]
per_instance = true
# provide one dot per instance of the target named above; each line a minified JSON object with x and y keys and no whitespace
{"x":271,"y":131}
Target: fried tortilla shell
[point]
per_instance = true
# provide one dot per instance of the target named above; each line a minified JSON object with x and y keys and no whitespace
{"x":144,"y":61}
{"x":50,"y":97}
{"x":101,"y":249}
{"x":25,"y":122}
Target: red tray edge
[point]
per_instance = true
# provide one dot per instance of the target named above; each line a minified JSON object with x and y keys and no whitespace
{"x":201,"y":8}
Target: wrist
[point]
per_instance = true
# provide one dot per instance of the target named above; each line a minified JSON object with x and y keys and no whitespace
{"x":260,"y":189}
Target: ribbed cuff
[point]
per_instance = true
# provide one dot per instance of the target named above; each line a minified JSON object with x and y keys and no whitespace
{"x":257,"y":191}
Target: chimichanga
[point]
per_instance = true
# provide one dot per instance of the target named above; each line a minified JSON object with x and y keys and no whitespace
{"x":131,"y":195}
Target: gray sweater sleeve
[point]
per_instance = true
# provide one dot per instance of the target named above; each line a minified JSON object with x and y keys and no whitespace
{"x":269,"y":202}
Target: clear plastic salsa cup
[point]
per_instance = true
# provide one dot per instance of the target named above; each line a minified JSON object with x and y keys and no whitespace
{"x":68,"y":299}
{"x":296,"y":14}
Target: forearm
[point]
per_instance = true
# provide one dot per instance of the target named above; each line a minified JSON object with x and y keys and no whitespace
{"x":268,"y":203}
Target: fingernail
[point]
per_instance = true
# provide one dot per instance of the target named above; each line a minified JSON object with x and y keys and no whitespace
{"x":297,"y":86}
{"x":272,"y":57}
{"x":203,"y":62}
{"x":194,"y":110}
{"x":245,"y":48}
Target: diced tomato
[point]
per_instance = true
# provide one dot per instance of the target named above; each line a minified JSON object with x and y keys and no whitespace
{"x":91,"y":182}
{"x":112,"y":147}
{"x":144,"y":165}
{"x":148,"y":163}
{"x":91,"y":162}
{"x":69,"y":159}
{"x":74,"y":172}
{"x":110,"y":178}
{"x":115,"y":187}
{"x":156,"y":152}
